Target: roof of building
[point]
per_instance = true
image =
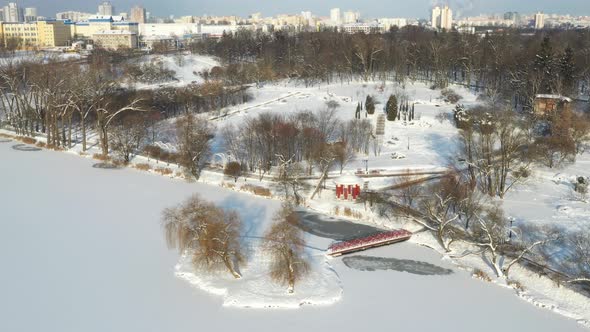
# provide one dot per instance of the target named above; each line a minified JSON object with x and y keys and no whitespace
{"x":115,"y":32}
{"x":549,"y":96}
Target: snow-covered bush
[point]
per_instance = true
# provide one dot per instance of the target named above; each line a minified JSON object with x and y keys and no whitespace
{"x":450,"y":96}
{"x":150,"y":73}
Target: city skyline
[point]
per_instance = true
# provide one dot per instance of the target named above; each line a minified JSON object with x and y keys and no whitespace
{"x":370,"y":8}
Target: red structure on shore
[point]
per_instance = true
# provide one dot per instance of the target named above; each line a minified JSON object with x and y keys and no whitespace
{"x":348,"y":187}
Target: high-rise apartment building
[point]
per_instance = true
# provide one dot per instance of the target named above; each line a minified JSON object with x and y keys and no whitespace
{"x":12,"y":13}
{"x":106,"y":9}
{"x":539,"y":21}
{"x":138,"y":15}
{"x":335,"y":16}
{"x":351,"y":17}
{"x":442,"y":18}
{"x":30,"y":14}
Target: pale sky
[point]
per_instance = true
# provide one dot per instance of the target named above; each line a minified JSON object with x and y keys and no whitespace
{"x":367,"y":8}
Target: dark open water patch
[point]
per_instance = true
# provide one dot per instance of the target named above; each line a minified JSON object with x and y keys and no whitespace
{"x":367,"y":263}
{"x":106,"y":166}
{"x":24,"y":147}
{"x":5,"y":140}
{"x":333,"y":228}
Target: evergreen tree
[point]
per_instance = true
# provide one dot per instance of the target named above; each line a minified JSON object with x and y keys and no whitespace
{"x":567,"y":72}
{"x":391,"y":108}
{"x":544,"y":65}
{"x":370,"y":105}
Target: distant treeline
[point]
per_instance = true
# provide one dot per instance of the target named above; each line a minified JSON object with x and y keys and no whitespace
{"x":500,"y":64}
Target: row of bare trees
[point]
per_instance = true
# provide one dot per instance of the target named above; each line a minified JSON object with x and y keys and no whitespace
{"x":304,"y":137}
{"x":212,"y":236}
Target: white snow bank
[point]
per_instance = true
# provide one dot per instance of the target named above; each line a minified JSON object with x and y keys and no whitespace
{"x":256,"y":289}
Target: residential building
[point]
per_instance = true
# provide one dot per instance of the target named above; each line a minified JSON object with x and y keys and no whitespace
{"x":40,"y":34}
{"x":87,"y":29}
{"x":106,"y":9}
{"x":138,"y":15}
{"x":13,"y":13}
{"x":351,"y":17}
{"x":388,"y":23}
{"x":162,"y":30}
{"x":30,"y":14}
{"x":115,"y":39}
{"x":335,"y":16}
{"x":442,"y":18}
{"x":366,"y":28}
{"x":539,"y":21}
{"x":73,"y":16}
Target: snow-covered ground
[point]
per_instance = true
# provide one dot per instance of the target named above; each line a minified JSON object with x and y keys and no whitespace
{"x":187,"y":68}
{"x":82,"y":250}
{"x":42,"y":56}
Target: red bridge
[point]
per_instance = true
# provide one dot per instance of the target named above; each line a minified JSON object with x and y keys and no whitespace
{"x":372,"y":241}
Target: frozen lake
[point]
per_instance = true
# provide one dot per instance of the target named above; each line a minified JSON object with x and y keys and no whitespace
{"x":82,"y":250}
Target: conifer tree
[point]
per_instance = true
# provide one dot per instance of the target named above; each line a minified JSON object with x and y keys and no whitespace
{"x":370,"y":105}
{"x":391,"y":108}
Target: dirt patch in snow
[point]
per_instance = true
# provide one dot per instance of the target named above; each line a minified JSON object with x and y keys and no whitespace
{"x":367,"y":263}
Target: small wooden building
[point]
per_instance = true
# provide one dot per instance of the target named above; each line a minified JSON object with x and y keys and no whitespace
{"x":545,"y":105}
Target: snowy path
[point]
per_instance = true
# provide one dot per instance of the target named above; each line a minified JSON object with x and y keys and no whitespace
{"x":82,"y":250}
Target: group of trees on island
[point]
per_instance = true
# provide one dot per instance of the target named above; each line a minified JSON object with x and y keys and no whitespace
{"x":213,"y":238}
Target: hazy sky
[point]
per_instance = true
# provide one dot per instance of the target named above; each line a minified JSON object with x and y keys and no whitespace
{"x":368,"y":8}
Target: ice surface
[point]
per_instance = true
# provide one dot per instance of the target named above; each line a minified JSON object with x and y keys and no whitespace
{"x":82,"y":250}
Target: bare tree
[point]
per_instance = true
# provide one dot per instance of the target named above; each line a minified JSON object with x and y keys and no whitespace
{"x":343,"y":154}
{"x":408,"y":187}
{"x":578,"y":260}
{"x":208,"y":233}
{"x":284,"y":243}
{"x":193,"y":135}
{"x":127,"y":136}
{"x":289,"y":178}
{"x":492,"y":234}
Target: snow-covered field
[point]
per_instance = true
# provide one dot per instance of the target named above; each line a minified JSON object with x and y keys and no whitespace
{"x":429,"y":140}
{"x":82,"y":250}
{"x":187,"y":68}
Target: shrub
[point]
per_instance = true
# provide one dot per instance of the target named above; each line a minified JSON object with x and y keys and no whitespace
{"x":228,"y":185}
{"x":516,"y":285}
{"x":27,"y":140}
{"x":479,"y":274}
{"x":97,"y":156}
{"x":348,"y":212}
{"x":41,"y":144}
{"x":143,"y":167}
{"x":164,"y":171}
{"x":57,"y":148}
{"x":256,"y":190}
{"x":450,"y":96}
